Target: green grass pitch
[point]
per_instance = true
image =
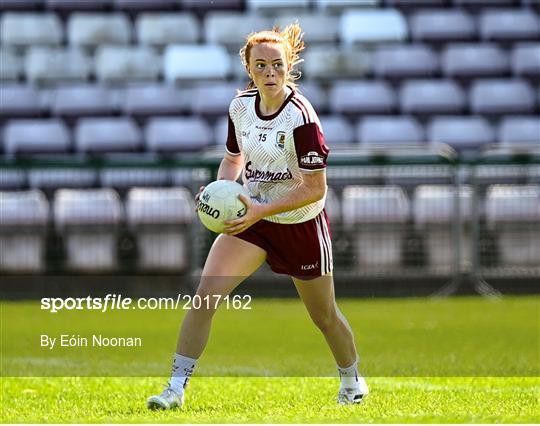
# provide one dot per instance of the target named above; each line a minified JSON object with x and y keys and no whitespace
{"x":463,"y":359}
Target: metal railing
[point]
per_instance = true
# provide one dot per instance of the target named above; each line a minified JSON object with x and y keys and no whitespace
{"x":463,"y":245}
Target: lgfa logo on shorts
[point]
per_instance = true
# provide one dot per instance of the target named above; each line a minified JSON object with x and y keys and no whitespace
{"x":310,"y":267}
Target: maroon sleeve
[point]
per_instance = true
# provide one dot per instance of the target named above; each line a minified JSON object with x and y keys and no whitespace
{"x":311,"y":150}
{"x":232,"y":143}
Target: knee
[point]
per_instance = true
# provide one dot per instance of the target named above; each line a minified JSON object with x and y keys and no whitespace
{"x":325,"y":321}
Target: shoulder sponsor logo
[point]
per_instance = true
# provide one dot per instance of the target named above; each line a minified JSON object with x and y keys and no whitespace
{"x":280,"y":139}
{"x":312,"y":158}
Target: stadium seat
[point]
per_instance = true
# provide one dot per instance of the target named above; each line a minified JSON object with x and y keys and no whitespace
{"x":476,"y":4}
{"x":316,"y":95}
{"x":472,"y":60}
{"x":36,"y":136}
{"x":24,"y":218}
{"x":337,"y":130}
{"x":221,"y":129}
{"x":434,"y":208}
{"x":364,"y":97}
{"x":513,"y":213}
{"x":20,"y":5}
{"x":10,"y":65}
{"x":12,"y":179}
{"x":212,"y":98}
{"x":372,"y":26}
{"x":271,"y":6}
{"x":318,"y":28}
{"x":192,"y":178}
{"x":121,"y":64}
{"x":405,"y":61}
{"x":52,"y":178}
{"x":57,"y":65}
{"x":534,"y":4}
{"x":519,"y":130}
{"x":177,"y":134}
{"x":88,"y":219}
{"x":509,"y":25}
{"x":19,"y":101}
{"x":389,"y":130}
{"x":101,"y":135}
{"x":160,"y":219}
{"x":433,"y":25}
{"x":140,"y":5}
{"x":30,"y":29}
{"x":153,"y":99}
{"x":409,"y":177}
{"x":431,"y":97}
{"x":375,"y":218}
{"x":501,"y":97}
{"x":74,"y":5}
{"x":94,"y":29}
{"x":195,"y":62}
{"x":123,"y":178}
{"x":327,"y":64}
{"x":238,"y":70}
{"x":82,"y":100}
{"x":465,"y":134}
{"x":206,"y":5}
{"x":406,"y":5}
{"x":526,"y":60}
{"x":333,"y":206}
{"x":161,"y":29}
{"x":231,"y":28}
{"x":337,"y":6}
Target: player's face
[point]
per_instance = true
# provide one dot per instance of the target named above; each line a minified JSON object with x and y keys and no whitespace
{"x":268,"y":67}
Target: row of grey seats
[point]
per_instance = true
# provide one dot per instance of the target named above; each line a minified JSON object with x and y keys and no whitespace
{"x":375,"y":217}
{"x":127,"y":5}
{"x":194,"y":134}
{"x":86,"y":218}
{"x":229,"y":28}
{"x":266,"y":6}
{"x":178,"y":63}
{"x":51,"y":178}
{"x":415,"y":96}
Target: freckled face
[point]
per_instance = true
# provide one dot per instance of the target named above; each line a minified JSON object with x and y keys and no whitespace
{"x":268,"y":67}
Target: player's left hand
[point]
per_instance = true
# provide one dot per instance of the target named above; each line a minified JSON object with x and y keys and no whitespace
{"x":253,"y":215}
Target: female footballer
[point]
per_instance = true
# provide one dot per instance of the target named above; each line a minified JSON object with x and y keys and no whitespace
{"x":276,"y":139}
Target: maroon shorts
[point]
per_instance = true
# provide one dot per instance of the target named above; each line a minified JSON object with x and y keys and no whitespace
{"x":302,"y":250}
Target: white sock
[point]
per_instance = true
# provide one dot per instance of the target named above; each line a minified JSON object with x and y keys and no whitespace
{"x":349,"y":376}
{"x":182,"y":370}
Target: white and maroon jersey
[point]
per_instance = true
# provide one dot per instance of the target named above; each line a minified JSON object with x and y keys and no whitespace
{"x":277,"y":149}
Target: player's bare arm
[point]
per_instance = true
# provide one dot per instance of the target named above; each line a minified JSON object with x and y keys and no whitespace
{"x":230,"y":167}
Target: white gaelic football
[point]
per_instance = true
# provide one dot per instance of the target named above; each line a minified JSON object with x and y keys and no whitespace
{"x":219,"y":202}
